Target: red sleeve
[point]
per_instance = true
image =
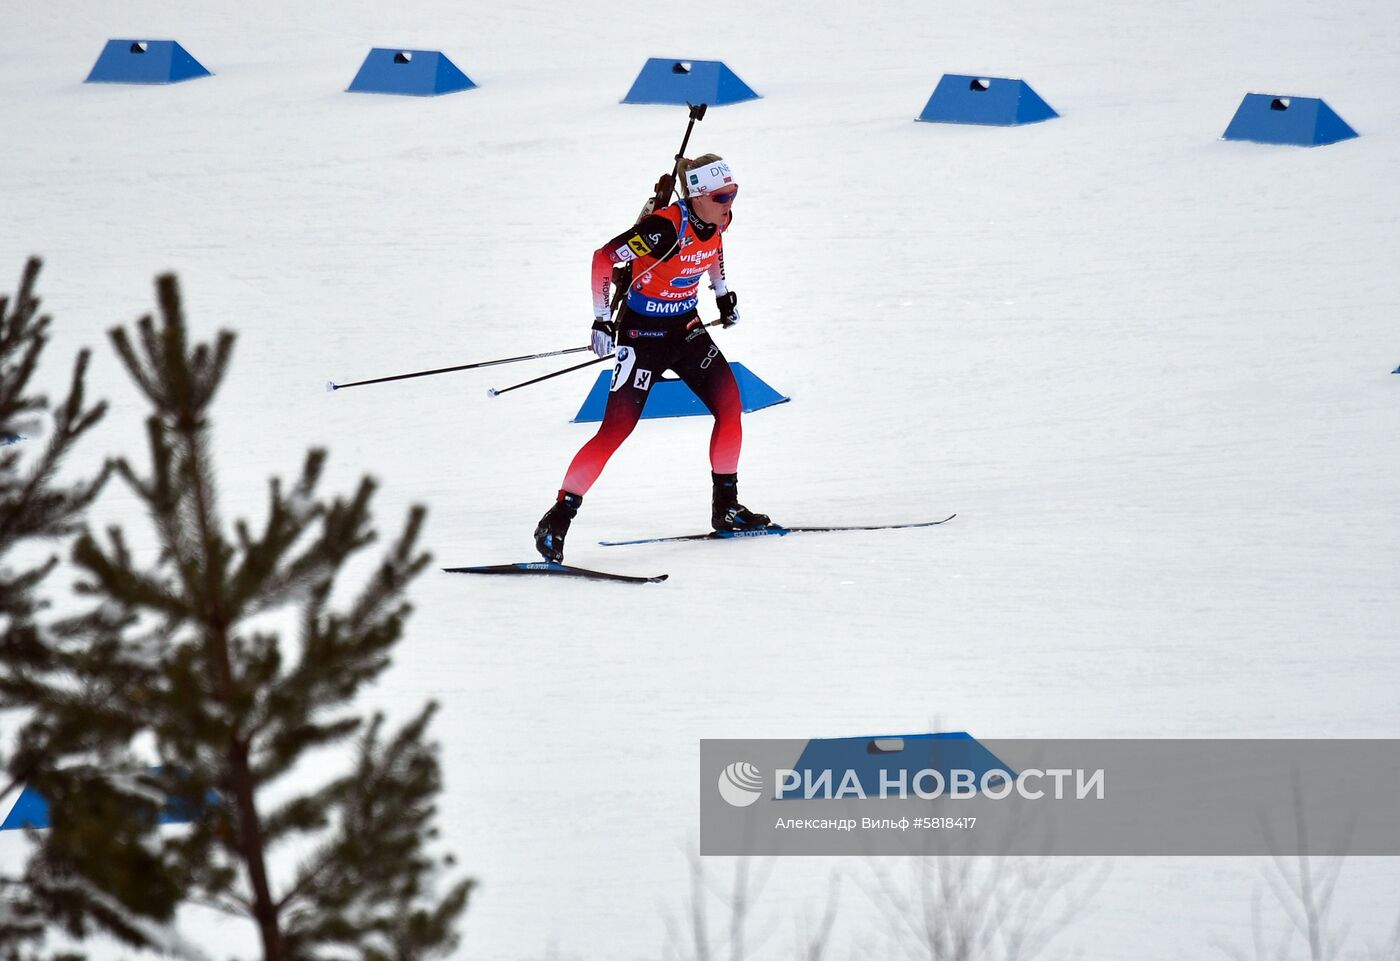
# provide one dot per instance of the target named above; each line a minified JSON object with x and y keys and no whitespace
{"x":602,"y":282}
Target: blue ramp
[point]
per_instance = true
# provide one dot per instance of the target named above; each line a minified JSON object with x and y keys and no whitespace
{"x":994,"y":101}
{"x":1299,"y":121}
{"x":31,"y":810}
{"x":870,"y":757}
{"x":671,"y":398}
{"x":145,"y":61}
{"x":409,"y":73}
{"x":688,"y":82}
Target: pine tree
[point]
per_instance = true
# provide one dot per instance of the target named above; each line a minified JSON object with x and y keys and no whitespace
{"x":54,"y":889}
{"x":190,"y":645}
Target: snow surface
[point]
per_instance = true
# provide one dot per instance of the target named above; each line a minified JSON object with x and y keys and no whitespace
{"x":1148,"y":369}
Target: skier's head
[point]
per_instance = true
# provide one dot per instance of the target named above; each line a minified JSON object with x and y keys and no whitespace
{"x":710,"y":185}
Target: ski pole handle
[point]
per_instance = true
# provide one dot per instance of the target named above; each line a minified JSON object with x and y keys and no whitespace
{"x":498,"y":391}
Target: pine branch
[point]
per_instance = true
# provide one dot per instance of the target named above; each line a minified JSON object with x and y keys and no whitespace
{"x":402,"y":565}
{"x":339,"y":653}
{"x":344,"y":895}
{"x":35,"y":507}
{"x":17,"y":595}
{"x":127,"y":354}
{"x":114,"y":576}
{"x":263,"y":580}
{"x":21,"y":330}
{"x":76,"y":880}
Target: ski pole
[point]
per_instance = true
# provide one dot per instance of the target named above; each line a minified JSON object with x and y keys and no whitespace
{"x":495,"y":392}
{"x":332,"y":385}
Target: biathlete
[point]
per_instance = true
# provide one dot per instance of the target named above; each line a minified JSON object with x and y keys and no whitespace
{"x":657,"y":329}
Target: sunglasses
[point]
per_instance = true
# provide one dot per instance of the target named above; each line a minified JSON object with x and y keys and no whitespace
{"x":725,"y":198}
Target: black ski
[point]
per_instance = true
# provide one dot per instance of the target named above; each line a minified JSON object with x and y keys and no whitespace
{"x":774,"y":530}
{"x":556,"y":570}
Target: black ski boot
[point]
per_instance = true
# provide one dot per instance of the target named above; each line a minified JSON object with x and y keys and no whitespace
{"x":728,"y":514}
{"x":549,"y":534}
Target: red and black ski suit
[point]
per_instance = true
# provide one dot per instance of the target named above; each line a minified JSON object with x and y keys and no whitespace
{"x":658,"y":329}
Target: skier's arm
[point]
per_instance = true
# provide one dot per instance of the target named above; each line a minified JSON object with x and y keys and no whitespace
{"x":717,"y":283}
{"x":725,"y":299}
{"x":602,"y":283}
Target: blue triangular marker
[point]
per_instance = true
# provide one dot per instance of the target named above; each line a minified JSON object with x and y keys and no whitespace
{"x":872,"y":758}
{"x":672,"y":398}
{"x":411,"y":73}
{"x":30,"y":811}
{"x":145,"y":61}
{"x":992,"y":101}
{"x":1297,"y":121}
{"x":681,"y":81}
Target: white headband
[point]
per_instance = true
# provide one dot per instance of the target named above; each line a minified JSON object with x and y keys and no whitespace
{"x":708,"y":178}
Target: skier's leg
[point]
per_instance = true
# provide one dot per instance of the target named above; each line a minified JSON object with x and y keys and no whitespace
{"x":624,"y":409}
{"x":625,"y":402}
{"x":707,"y":373}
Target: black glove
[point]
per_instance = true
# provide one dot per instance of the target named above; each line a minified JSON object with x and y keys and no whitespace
{"x":728,"y":313}
{"x":602,"y":340}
